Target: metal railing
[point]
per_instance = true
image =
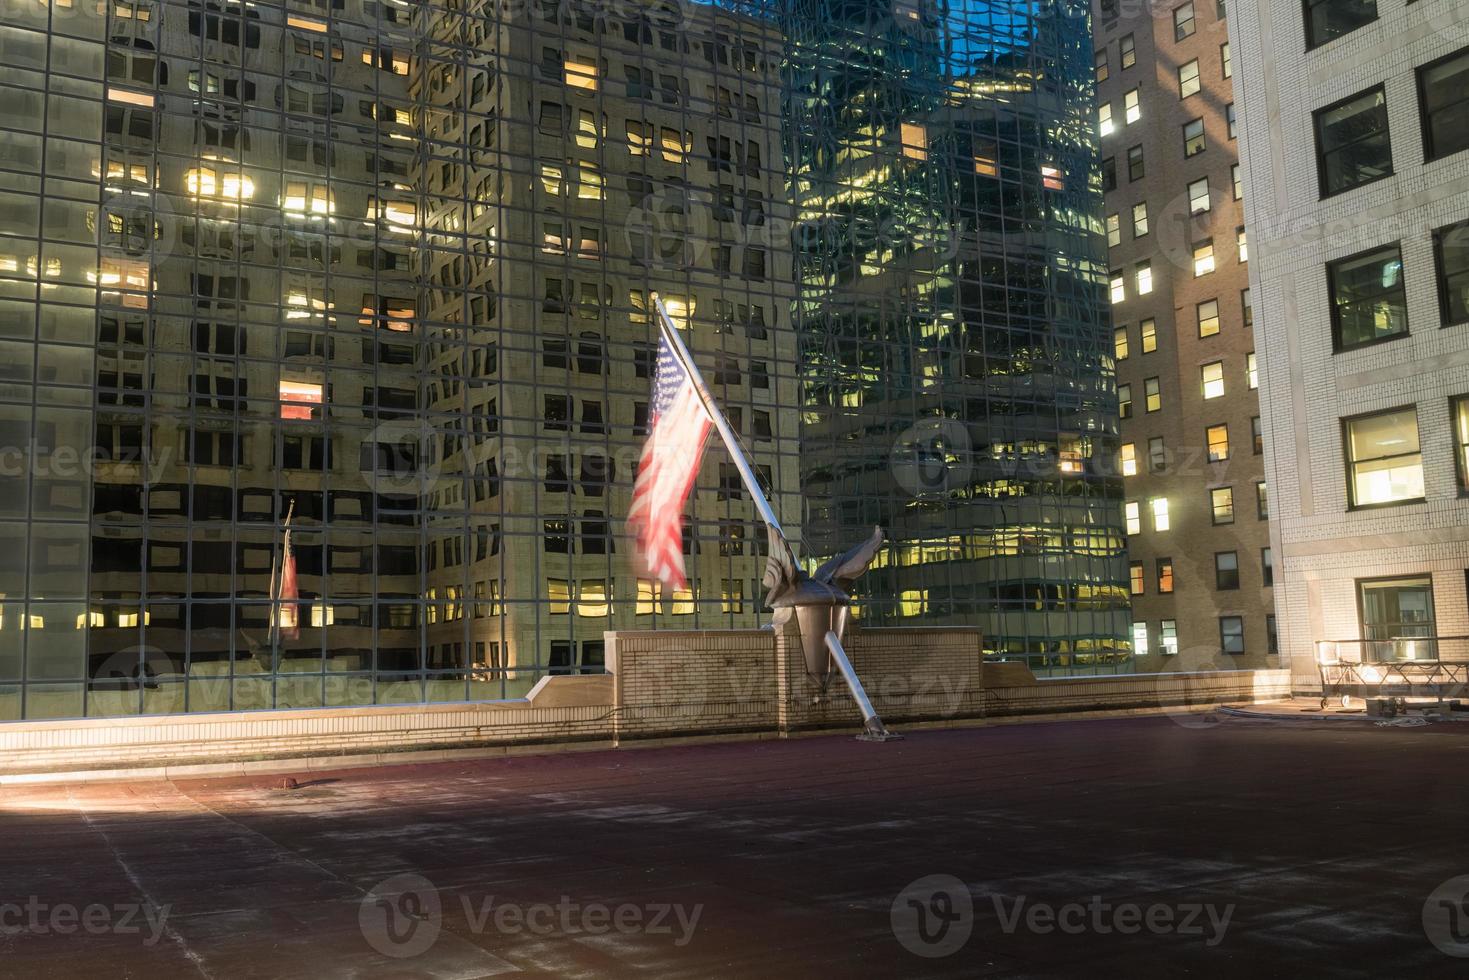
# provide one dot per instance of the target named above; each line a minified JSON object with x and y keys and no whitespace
{"x":1398,"y":668}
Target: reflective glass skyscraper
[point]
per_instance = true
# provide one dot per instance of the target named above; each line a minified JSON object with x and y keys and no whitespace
{"x":325,"y":341}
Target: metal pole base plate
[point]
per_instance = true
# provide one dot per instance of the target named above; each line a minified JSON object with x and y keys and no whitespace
{"x":879,"y":737}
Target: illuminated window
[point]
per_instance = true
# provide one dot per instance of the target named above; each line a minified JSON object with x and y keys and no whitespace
{"x":1124,"y":401}
{"x":581,"y":74}
{"x":400,"y":215}
{"x":1203,"y":258}
{"x":1140,"y":639}
{"x":592,"y":600}
{"x":639,"y":138}
{"x":1129,"y":459}
{"x":558,"y":594}
{"x":551,"y":179}
{"x":300,"y":399}
{"x":302,"y":197}
{"x":1131,"y":107}
{"x":1262,"y":500}
{"x":1143,"y":278}
{"x":1221,"y":505}
{"x":913,"y":602}
{"x":915,"y":141}
{"x":1149,"y":330}
{"x":1118,"y":287}
{"x":1132,"y":514}
{"x":1114,"y":231}
{"x":683,"y":602}
{"x":1051,"y":178}
{"x":1242,"y":243}
{"x":1119,"y":343}
{"x":1384,"y":461}
{"x":647,"y":602}
{"x":1217,"y":438}
{"x":672,"y":145}
{"x":591,"y":186}
{"x":1104,"y":119}
{"x":1208,"y":317}
{"x":1159,"y":507}
{"x":206,"y":182}
{"x":1154,"y":392}
{"x":1164,"y":569}
{"x":1137,"y":581}
{"x":1252,"y":371}
{"x":732,"y":596}
{"x":1168,"y":637}
{"x":1211,"y":379}
{"x":1127,"y":49}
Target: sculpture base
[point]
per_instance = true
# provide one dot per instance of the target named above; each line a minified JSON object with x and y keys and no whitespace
{"x":879,"y":737}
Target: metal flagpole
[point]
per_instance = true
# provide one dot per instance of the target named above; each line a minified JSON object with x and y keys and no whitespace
{"x":731,"y":441}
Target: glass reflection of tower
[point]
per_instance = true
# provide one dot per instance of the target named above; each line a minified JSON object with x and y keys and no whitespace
{"x":956,"y":386}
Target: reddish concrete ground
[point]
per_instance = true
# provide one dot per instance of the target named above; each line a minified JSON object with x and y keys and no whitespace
{"x":1326,"y":838}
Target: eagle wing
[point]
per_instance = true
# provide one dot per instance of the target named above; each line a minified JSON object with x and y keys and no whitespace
{"x":842,"y":570}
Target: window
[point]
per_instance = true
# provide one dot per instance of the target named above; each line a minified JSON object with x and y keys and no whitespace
{"x":1154,"y":394}
{"x":1451,"y":266}
{"x":1101,"y":64}
{"x":1203,"y":258}
{"x":1262,"y":500}
{"x":1114,"y":231}
{"x":1226,"y":570}
{"x":1164,"y":569}
{"x":1117,"y":286}
{"x":1119,"y":343}
{"x":1272,"y":636}
{"x":1226,"y":66}
{"x":1208,"y":316}
{"x":1157,"y":454}
{"x":1188,"y":79}
{"x":1131,"y":107}
{"x":1327,"y":20}
{"x":1368,"y":299}
{"x":1168,"y":637}
{"x":1124,"y":401}
{"x":1198,"y":196}
{"x":1132,"y":517}
{"x":1267,"y":567}
{"x":1183,"y":21}
{"x":1221,"y":505}
{"x":1129,"y":459}
{"x":1159,"y":508}
{"x":1443,"y":99}
{"x":1384,"y":463}
{"x":1143,"y":278}
{"x":1216,"y":438}
{"x":1135,"y":168}
{"x":1109,"y":174}
{"x":1242,"y":243}
{"x":1140,"y":219}
{"x":1257,"y":435}
{"x":1104,"y":119}
{"x":1230,"y":122}
{"x":1211,"y":380}
{"x":1238,"y":182}
{"x":1127,"y":51}
{"x":1459,"y":411}
{"x":1140,"y":639}
{"x":1193,"y":137}
{"x":1252,"y":371}
{"x":1232,"y":634}
{"x":1137,"y":584}
{"x":1149,"y":330}
{"x":1247,"y":312}
{"x":1353,"y":146}
{"x":1394,"y":613}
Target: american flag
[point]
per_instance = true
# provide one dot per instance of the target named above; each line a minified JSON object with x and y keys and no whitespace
{"x":667,"y":469}
{"x":289,"y":612}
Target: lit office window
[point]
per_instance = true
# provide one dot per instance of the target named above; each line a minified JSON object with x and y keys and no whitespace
{"x":1154,"y":392}
{"x":1164,"y":568}
{"x":1140,"y":219}
{"x":1129,"y":458}
{"x":1168,"y":637}
{"x":1221,"y":505}
{"x":1143,"y":278}
{"x":1104,"y":119}
{"x":1140,"y":639}
{"x":1124,"y":401}
{"x":1203,"y":258}
{"x":1208,"y":317}
{"x":915,"y":141}
{"x":581,"y":74}
{"x":1114,"y":231}
{"x":1459,"y":411}
{"x":1137,"y":583}
{"x":1132,"y":108}
{"x":1149,"y":330}
{"x":1211,"y":380}
{"x":1119,"y":343}
{"x":1117,"y":286}
{"x":1384,"y":462}
{"x":1132,"y":514}
{"x":1242,"y":243}
{"x":1217,"y":440}
{"x":1252,"y":371}
{"x":1159,"y":507}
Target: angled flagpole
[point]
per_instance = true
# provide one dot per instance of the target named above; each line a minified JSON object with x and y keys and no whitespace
{"x":731,"y":441}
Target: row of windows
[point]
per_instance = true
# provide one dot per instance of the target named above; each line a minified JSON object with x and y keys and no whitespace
{"x":1211,"y":386}
{"x":1216,"y":444}
{"x":1226,"y":573}
{"x":1368,"y":291}
{"x":1221,"y":509}
{"x":1231,"y":636}
{"x":1354,"y":139}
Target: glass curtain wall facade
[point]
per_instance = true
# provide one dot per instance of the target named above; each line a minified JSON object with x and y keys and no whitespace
{"x":326,"y":345}
{"x":956,"y":389}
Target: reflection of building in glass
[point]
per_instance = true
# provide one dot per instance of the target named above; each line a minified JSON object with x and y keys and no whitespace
{"x":957,"y":390}
{"x":384,"y":267}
